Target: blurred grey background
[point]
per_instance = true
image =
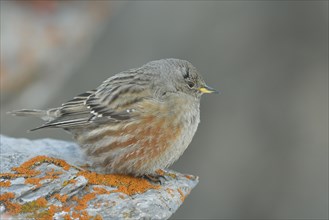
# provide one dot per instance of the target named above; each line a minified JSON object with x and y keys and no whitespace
{"x":261,"y":150}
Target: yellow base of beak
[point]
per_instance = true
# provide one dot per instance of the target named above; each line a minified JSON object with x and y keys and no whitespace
{"x":207,"y":89}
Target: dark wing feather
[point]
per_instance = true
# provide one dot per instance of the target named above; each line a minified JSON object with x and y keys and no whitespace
{"x":72,"y":113}
{"x":114,"y":100}
{"x":114,"y":97}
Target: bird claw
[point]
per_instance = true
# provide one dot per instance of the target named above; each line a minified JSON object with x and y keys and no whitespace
{"x":156,"y":178}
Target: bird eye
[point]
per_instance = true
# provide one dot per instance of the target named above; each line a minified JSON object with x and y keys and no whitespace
{"x":190,"y":84}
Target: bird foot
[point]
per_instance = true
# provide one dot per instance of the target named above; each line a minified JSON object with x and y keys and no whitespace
{"x":155,"y":178}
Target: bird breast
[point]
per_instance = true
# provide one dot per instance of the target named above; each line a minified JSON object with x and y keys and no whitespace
{"x":154,"y":140}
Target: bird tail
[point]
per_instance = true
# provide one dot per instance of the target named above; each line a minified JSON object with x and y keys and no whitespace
{"x":46,"y":115}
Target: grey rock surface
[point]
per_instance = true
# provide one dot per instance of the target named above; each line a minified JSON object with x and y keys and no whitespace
{"x":69,"y":193}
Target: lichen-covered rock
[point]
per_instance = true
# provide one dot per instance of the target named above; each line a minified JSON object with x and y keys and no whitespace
{"x":42,"y":179}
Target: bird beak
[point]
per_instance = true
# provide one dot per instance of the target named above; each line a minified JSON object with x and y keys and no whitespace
{"x":207,"y":89}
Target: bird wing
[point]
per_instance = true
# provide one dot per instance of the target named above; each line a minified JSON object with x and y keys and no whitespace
{"x":112,"y":101}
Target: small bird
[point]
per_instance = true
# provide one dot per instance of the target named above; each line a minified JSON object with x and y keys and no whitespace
{"x":135,"y":122}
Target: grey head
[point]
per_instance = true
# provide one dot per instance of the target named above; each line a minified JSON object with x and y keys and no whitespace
{"x":175,"y":75}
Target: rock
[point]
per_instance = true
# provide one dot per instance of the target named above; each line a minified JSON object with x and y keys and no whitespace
{"x":43,"y":179}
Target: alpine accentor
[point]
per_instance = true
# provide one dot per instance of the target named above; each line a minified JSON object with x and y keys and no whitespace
{"x":137,"y":121}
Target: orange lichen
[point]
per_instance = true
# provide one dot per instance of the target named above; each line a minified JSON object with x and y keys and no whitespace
{"x":81,"y":216}
{"x":28,"y":165}
{"x":98,"y":217}
{"x":26,"y":172}
{"x":66,"y":208}
{"x":37,"y":208}
{"x":34,"y":181}
{"x":84,"y":216}
{"x":53,"y":209}
{"x":61,"y":198}
{"x":75,"y":215}
{"x":170,"y":191}
{"x":26,"y":169}
{"x":43,"y":215}
{"x":12,"y":208}
{"x":172,"y":175}
{"x":182,"y":196}
{"x":13,"y":175}
{"x":188,"y":177}
{"x":83,"y":202}
{"x":5,"y":184}
{"x":34,"y":206}
{"x":7,"y":196}
{"x":126,"y":184}
{"x":71,"y":181}
{"x":53,"y":173}
{"x":100,"y":190}
{"x":67,"y":217}
{"x":40,"y":209}
{"x":41,"y":202}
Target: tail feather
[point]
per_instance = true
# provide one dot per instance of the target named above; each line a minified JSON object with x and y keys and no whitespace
{"x":54,"y":118}
{"x":46,"y":115}
{"x":28,"y":112}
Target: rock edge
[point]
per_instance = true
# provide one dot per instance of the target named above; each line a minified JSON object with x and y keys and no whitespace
{"x":52,"y":186}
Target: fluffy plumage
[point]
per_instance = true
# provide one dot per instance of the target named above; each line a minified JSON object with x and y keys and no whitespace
{"x":136,"y":121}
